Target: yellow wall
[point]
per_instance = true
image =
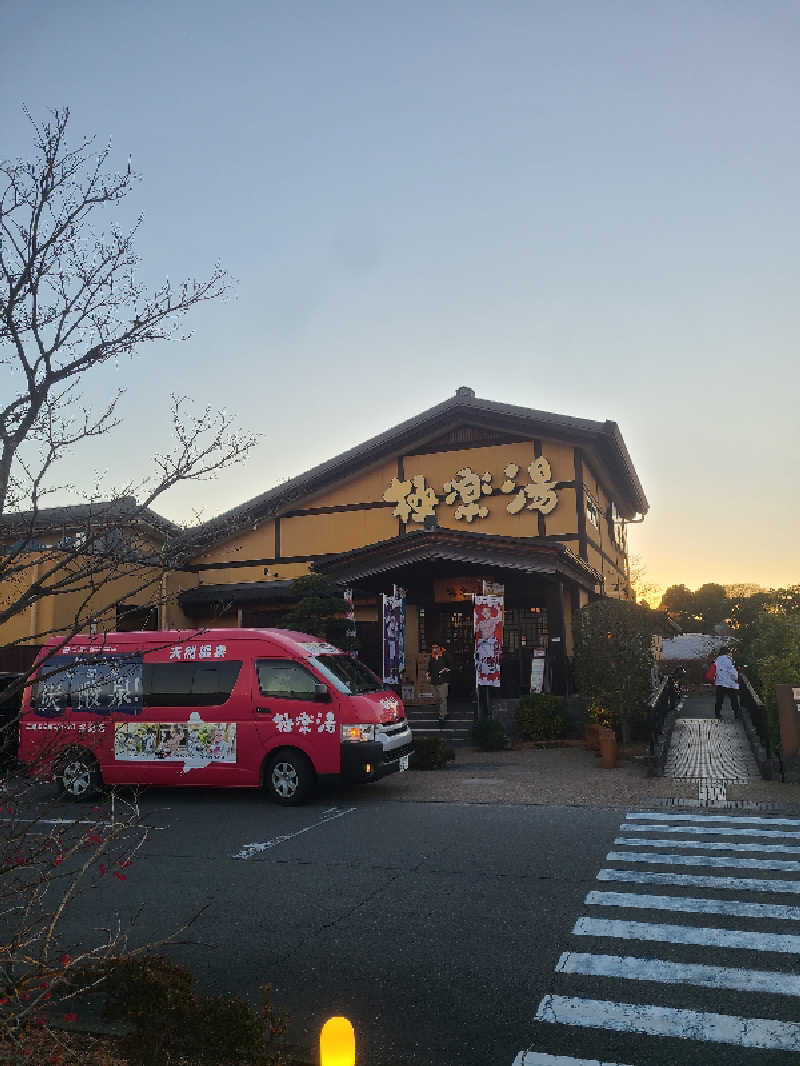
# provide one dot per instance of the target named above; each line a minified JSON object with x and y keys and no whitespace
{"x":564,"y":519}
{"x":366,"y":487}
{"x":250,"y":543}
{"x":337,"y":532}
{"x":52,"y":614}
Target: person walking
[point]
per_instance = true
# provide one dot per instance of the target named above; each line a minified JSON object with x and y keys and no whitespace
{"x":438,"y":670}
{"x":726,"y":683}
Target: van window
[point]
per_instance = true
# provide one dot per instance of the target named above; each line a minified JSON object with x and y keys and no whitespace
{"x":107,"y":685}
{"x":192,"y":684}
{"x":285,"y":679}
{"x":88,"y":686}
{"x":349,"y":674}
{"x":51,"y":690}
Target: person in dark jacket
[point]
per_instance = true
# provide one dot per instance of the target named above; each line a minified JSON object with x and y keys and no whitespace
{"x":438,"y":675}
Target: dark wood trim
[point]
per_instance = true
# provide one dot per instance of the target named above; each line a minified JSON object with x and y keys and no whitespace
{"x":580,"y":505}
{"x":277,"y":537}
{"x":336,"y":508}
{"x":537,"y":454}
{"x":238,"y":564}
{"x":483,"y":438}
{"x":401,"y":476}
{"x":608,"y":558}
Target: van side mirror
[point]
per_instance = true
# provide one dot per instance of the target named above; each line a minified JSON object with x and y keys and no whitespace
{"x":321,"y":694}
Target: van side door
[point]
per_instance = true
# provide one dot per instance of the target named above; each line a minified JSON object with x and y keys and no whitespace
{"x":297,"y":709}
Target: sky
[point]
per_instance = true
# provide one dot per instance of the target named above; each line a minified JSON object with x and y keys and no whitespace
{"x":586,"y":207}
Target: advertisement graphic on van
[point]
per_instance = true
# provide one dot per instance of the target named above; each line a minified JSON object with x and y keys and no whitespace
{"x":232,"y":708}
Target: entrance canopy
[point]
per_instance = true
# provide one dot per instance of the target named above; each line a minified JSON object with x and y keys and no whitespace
{"x":416,"y":549}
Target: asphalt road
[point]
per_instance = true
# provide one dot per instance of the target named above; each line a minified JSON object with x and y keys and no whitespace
{"x":437,"y":927}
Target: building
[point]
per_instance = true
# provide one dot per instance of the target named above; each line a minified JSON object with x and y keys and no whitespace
{"x":466,"y":495}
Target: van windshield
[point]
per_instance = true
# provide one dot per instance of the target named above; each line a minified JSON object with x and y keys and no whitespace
{"x":348,"y":674}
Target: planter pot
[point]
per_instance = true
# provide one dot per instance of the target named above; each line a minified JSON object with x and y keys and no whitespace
{"x":608,"y":749}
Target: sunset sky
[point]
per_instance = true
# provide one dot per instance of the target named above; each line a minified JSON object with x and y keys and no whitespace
{"x":586,"y":207}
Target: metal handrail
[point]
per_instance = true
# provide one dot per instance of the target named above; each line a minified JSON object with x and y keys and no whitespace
{"x":663,"y":701}
{"x":753,"y":705}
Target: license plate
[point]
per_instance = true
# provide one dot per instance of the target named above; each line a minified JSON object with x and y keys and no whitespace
{"x":403,"y":763}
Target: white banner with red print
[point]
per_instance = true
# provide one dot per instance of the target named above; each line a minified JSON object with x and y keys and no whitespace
{"x":488,"y":639}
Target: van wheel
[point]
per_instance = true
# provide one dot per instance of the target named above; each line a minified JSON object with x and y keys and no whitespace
{"x":289,"y":778}
{"x":79,"y":776}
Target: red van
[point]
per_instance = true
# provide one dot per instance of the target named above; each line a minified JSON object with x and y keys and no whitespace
{"x":228,"y":708}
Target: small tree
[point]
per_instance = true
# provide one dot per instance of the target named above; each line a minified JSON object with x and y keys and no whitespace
{"x":711,"y":605}
{"x":679,"y":600}
{"x":773,"y":653}
{"x":614,"y":659}
{"x":320,"y":610}
{"x":70,"y":303}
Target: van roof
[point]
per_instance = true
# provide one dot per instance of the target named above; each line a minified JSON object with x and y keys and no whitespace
{"x":286,"y":638}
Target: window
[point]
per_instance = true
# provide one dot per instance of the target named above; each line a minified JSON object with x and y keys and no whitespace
{"x":618,"y":529}
{"x":89,"y":686}
{"x":285,"y":679}
{"x":524,"y":627}
{"x":197,"y":684}
{"x":107,"y":685}
{"x":51,"y":690}
{"x":348,"y":674}
{"x":592,"y":513}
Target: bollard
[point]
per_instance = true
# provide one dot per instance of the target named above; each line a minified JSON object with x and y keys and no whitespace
{"x":608,"y":749}
{"x":337,"y":1043}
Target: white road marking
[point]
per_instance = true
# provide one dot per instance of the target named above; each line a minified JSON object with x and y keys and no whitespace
{"x":705,"y":818}
{"x":731,"y":907}
{"x":667,"y":1021}
{"x":708,"y":845}
{"x":248,"y":850}
{"x":688,"y":934}
{"x":717,"y":831}
{"x":740,"y":884}
{"x":541,"y":1058}
{"x":80,"y":821}
{"x":657,"y":859}
{"x":679,"y":973}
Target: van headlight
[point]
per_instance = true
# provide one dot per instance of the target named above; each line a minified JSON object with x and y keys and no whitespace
{"x":358,"y":732}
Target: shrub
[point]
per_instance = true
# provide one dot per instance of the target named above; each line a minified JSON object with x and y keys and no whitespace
{"x":431,"y":753}
{"x":540,"y":717}
{"x":172,"y":1023}
{"x":488,"y":735}
{"x":614,"y":660}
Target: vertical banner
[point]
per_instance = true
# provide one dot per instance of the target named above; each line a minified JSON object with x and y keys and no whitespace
{"x":488,"y":639}
{"x":401,"y":659}
{"x":393,"y":637}
{"x":350,"y":615}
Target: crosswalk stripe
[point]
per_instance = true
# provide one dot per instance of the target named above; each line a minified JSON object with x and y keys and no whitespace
{"x":658,"y":859}
{"x":678,"y":973}
{"x":670,"y":1021}
{"x":710,"y":830}
{"x":541,"y":1058}
{"x":740,"y":884}
{"x":704,"y":818}
{"x":708,"y":845}
{"x":734,"y":907}
{"x":688,"y":934}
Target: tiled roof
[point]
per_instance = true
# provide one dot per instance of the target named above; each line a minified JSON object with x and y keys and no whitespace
{"x":464,"y":405}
